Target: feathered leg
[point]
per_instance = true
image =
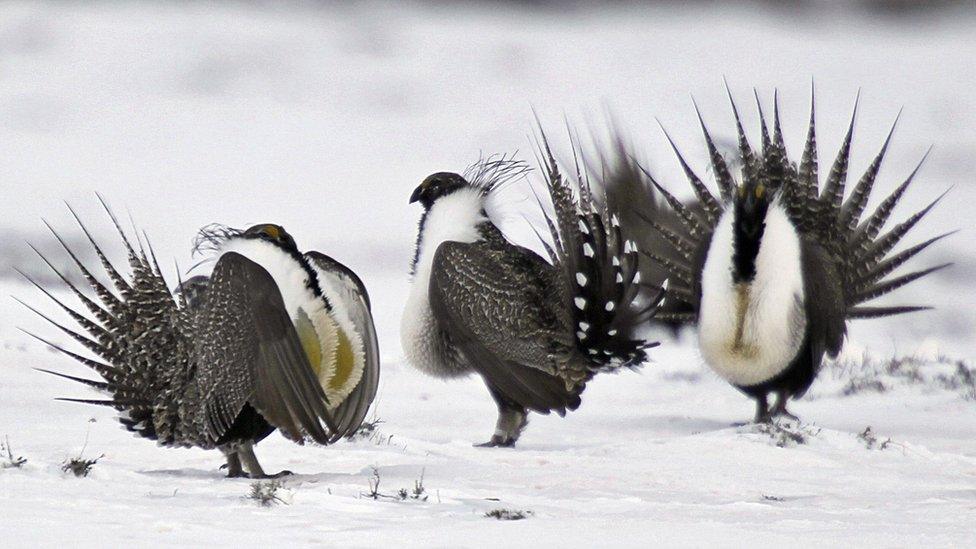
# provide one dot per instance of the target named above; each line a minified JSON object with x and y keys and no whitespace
{"x":246,"y":455}
{"x":512,"y":418}
{"x":762,"y":409}
{"x":779,"y":408}
{"x":234,"y":469}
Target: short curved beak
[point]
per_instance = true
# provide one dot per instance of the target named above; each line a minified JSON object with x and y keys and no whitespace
{"x":416,"y":194}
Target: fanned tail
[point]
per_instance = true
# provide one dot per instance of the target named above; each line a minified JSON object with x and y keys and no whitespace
{"x":134,"y":326}
{"x":600,"y":269}
{"x":864,"y":255}
{"x":632,"y":197}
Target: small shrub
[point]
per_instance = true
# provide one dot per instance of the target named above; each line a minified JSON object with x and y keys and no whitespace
{"x":367,"y":430}
{"x":8,"y":460}
{"x":879,"y":376}
{"x":508,"y":514}
{"x":963,"y":379}
{"x":418,"y":493}
{"x":863,"y":385}
{"x":374,"y":486}
{"x":266,"y":493}
{"x":871,"y":440}
{"x":786,"y":434}
{"x":79,"y":466}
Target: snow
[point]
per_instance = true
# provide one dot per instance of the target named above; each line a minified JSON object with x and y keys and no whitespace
{"x":649,"y":456}
{"x":323,"y":118}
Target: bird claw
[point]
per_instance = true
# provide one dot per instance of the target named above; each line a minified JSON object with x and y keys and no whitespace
{"x":779,"y":409}
{"x":785,"y":414}
{"x":774,"y":414}
{"x":497,"y":442}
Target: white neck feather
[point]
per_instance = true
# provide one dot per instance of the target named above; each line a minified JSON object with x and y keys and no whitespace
{"x":453,"y":218}
{"x":287,"y":272}
{"x":750,"y":332}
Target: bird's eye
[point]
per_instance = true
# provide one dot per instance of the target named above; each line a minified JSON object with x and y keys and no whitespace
{"x":760,"y":191}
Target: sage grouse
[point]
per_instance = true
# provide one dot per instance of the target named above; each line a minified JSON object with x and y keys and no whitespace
{"x":273,"y":339}
{"x":775,"y":267}
{"x":535,"y":330}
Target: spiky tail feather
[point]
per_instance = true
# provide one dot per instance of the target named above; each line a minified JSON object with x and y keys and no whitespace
{"x":629,"y":195}
{"x":861,"y":252}
{"x":599,"y":268}
{"x":132,"y":330}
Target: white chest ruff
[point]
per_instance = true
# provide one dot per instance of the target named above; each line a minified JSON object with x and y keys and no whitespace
{"x":749,"y":333}
{"x":453,"y":218}
{"x":355,"y":347}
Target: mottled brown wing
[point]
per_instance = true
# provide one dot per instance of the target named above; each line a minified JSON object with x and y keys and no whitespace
{"x":249,"y":352}
{"x":498,"y":307}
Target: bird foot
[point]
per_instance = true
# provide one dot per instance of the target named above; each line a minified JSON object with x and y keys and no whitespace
{"x":779,"y":409}
{"x":497,"y":442}
{"x":774,"y":415}
{"x":784,"y":414}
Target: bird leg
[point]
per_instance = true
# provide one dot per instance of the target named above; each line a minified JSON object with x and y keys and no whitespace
{"x":511,"y":421}
{"x":234,"y":469}
{"x":762,"y":410}
{"x":254,"y":470}
{"x":779,"y":408}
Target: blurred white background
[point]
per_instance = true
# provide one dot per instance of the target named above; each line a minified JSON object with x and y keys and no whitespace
{"x":323,"y":116}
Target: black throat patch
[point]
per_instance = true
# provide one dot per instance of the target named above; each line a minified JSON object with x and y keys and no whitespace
{"x":748,"y":229}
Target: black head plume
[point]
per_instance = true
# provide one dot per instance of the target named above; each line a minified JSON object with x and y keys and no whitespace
{"x":213,"y":236}
{"x":487,"y":174}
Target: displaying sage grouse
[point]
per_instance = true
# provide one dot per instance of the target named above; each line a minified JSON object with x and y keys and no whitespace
{"x":775,"y":267}
{"x":535,"y":330}
{"x":273,"y":339}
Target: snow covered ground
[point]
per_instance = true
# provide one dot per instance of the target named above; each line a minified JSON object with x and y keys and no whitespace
{"x":323,"y":118}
